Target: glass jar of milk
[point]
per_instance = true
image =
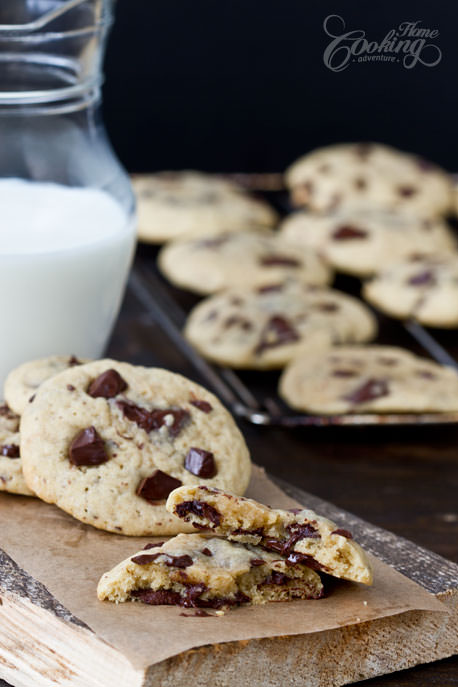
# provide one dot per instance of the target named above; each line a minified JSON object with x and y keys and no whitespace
{"x":67,"y":225}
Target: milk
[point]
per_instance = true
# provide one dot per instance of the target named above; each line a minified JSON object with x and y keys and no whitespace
{"x":64,"y":259}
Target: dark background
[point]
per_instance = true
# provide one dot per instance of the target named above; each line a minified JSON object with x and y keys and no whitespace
{"x":240,"y":85}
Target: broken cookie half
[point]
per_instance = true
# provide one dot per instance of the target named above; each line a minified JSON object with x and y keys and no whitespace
{"x":192,"y":570}
{"x":299,"y":535}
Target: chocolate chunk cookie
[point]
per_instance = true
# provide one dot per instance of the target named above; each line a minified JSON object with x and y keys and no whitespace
{"x":369,"y":176}
{"x":197,"y":572}
{"x":421,"y":287}
{"x":364,"y":242}
{"x":361,"y":379}
{"x":300,"y":536}
{"x":209,"y":264}
{"x":175,"y":205}
{"x":264,"y":327}
{"x":11,"y":477}
{"x":23,"y":381}
{"x":108,"y":441}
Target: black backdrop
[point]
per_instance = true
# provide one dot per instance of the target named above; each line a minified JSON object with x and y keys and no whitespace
{"x":241,"y":85}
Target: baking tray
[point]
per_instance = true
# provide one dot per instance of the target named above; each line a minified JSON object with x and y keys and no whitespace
{"x":253,"y":395}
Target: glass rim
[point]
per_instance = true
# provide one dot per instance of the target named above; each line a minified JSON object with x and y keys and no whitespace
{"x":23,"y":32}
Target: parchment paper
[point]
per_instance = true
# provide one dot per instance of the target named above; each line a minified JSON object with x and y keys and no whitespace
{"x":69,"y":558}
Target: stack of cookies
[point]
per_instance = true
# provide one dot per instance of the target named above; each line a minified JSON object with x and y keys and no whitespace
{"x":245,"y":553}
{"x":146,"y":452}
{"x":107,"y":441}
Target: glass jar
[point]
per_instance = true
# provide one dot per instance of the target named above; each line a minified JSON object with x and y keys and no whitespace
{"x":67,"y":232}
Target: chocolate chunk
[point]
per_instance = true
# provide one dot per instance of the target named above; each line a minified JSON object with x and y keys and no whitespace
{"x":70,"y":387}
{"x":406,"y":191}
{"x":385,"y":360}
{"x":373,"y":388}
{"x":275,"y":260}
{"x":255,"y":562}
{"x":150,"y":420}
{"x":144,"y":559}
{"x":237,"y":321}
{"x":152,"y":545}
{"x":215,"y":242}
{"x":141,"y":416}
{"x":360,"y":183}
{"x":193,"y":591}
{"x":277,"y":332}
{"x":344,"y":373}
{"x":269,"y":288}
{"x":180,"y":420}
{"x":296,"y":531}
{"x":305,"y":559}
{"x":273,"y":544}
{"x":425,"y":165}
{"x":167,"y":559}
{"x":327,"y":307}
{"x":107,"y":385}
{"x":221,"y":602}
{"x":363,"y":150}
{"x":211,"y":316}
{"x":178,"y":561}
{"x":277,"y":578}
{"x":87,"y":448}
{"x":160,"y":597}
{"x":32,"y":398}
{"x":343,"y":533}
{"x":425,"y":374}
{"x":74,"y":361}
{"x":206,"y":552}
{"x":204,"y":406}
{"x":253,"y":533}
{"x":200,"y":462}
{"x":423,"y":278}
{"x":347,"y":231}
{"x":5,"y":411}
{"x":158,"y":486}
{"x":308,"y":187}
{"x":203,"y":510}
{"x":10,"y":450}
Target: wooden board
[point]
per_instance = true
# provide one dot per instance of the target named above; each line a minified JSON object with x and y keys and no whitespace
{"x":43,"y":644}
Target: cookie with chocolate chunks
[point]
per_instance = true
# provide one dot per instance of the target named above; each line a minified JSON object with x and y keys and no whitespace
{"x":356,"y":176}
{"x":368,"y":379}
{"x":11,"y":476}
{"x":240,"y":259}
{"x":264,"y":327}
{"x":422,"y":287}
{"x":364,"y":242}
{"x":108,"y":441}
{"x":299,"y":536}
{"x":193,"y":571}
{"x":23,"y":382}
{"x":175,"y":205}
